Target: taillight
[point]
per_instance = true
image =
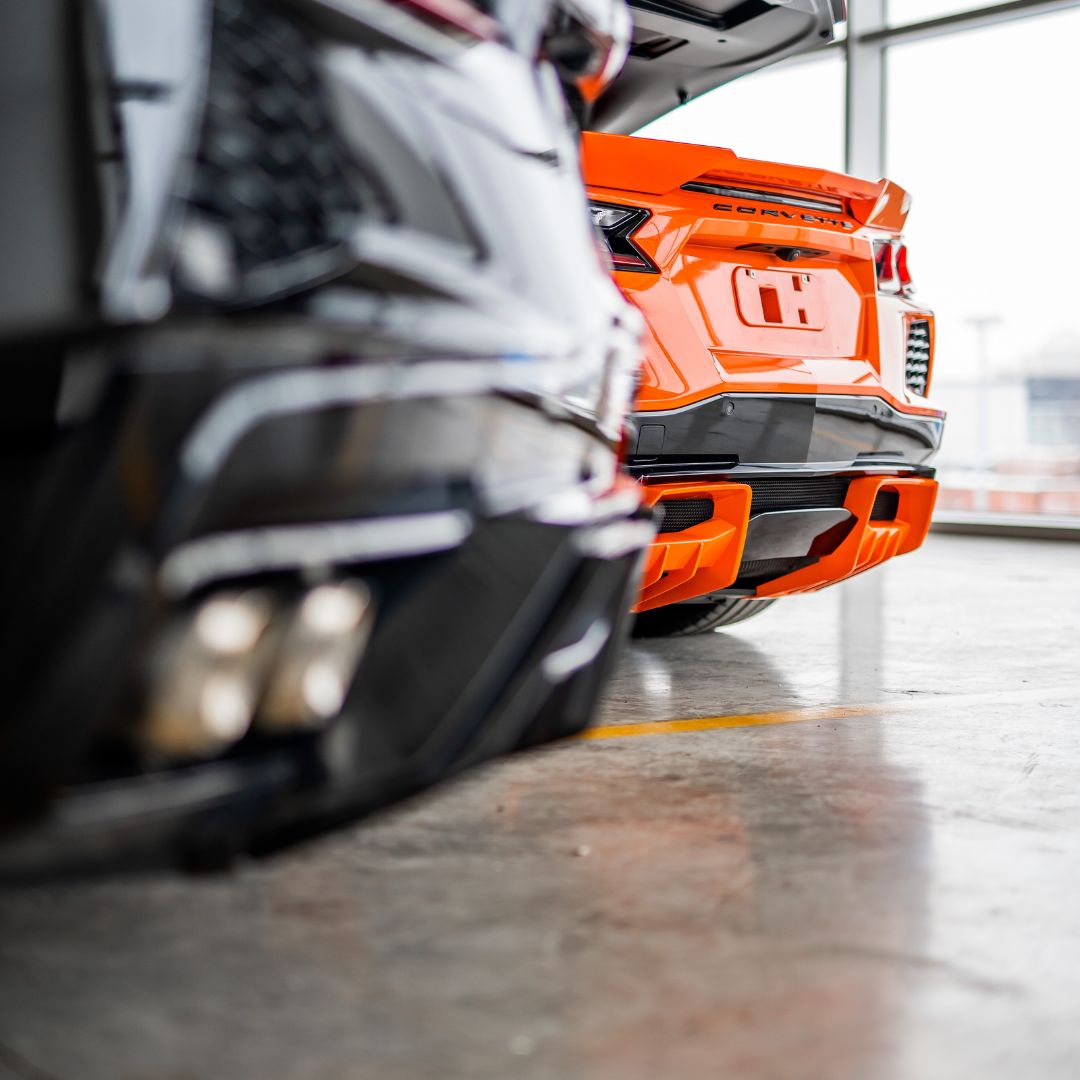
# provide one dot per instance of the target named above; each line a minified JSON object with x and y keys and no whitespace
{"x":890,"y":260}
{"x":903,"y":275}
{"x":615,"y":224}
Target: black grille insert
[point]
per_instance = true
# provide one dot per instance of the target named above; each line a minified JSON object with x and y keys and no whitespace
{"x":269,"y":173}
{"x":917,"y":357}
{"x":797,"y":492}
{"x":675,"y":515}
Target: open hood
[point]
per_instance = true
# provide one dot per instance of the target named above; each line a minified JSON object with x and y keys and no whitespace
{"x":681,"y":50}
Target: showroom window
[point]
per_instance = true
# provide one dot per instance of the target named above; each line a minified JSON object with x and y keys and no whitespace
{"x":793,"y":113}
{"x":903,"y":12}
{"x":990,"y":236}
{"x":975,"y":123}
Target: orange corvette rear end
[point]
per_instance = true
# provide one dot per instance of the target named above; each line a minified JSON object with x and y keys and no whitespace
{"x":783,"y":427}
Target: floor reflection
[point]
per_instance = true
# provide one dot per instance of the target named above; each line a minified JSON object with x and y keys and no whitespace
{"x":751,"y":899}
{"x":884,"y":896}
{"x":862,"y":636}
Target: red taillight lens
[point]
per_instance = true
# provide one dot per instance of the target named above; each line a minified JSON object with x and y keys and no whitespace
{"x":903,"y":275}
{"x":890,"y":261}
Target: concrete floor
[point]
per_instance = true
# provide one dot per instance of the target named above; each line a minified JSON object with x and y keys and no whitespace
{"x":872,"y":871}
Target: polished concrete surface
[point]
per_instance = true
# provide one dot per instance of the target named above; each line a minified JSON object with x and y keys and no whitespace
{"x":861,"y":860}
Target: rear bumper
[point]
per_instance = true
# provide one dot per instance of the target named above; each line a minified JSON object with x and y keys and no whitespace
{"x":731,"y":448}
{"x":772,"y":553}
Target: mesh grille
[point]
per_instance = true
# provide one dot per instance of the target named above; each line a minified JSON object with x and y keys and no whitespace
{"x":917,"y":358}
{"x":781,"y":493}
{"x":268,"y":170}
{"x":797,"y":492}
{"x":675,"y":515}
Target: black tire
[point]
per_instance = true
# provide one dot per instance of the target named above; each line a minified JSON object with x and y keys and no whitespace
{"x":681,"y":620}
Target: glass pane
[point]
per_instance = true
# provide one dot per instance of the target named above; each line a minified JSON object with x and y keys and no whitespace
{"x":902,"y":12}
{"x":975,"y":133}
{"x":789,"y":114}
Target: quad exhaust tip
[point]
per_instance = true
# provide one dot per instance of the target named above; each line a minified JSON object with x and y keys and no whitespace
{"x":245,"y":659}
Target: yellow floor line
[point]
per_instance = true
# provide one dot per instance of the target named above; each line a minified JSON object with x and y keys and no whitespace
{"x":713,"y":723}
{"x":829,"y":712}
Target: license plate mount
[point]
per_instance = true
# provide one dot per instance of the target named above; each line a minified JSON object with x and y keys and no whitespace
{"x":784,"y":299}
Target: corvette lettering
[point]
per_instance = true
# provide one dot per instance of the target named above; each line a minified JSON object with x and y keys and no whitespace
{"x":814,"y":219}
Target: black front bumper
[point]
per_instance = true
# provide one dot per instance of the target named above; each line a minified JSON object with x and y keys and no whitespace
{"x":488,"y":636}
{"x":500,"y":644}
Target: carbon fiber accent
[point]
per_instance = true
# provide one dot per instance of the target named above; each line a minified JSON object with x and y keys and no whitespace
{"x":677,"y":515}
{"x":917,"y":356}
{"x":797,"y":492}
{"x":756,"y":571}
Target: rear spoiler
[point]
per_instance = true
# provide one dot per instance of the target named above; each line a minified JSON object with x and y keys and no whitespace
{"x":656,"y":167}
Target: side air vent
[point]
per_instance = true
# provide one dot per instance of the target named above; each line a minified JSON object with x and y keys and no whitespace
{"x":885,"y":506}
{"x":677,"y":515}
{"x":917,"y":357}
{"x":797,"y":492}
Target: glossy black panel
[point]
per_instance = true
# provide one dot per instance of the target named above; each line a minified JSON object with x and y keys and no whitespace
{"x":46,"y":182}
{"x":300,"y":290}
{"x":454,"y":674}
{"x":783,"y":534}
{"x":786,"y":429}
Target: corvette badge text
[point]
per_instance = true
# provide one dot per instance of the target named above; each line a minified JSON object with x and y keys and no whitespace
{"x":814,"y":219}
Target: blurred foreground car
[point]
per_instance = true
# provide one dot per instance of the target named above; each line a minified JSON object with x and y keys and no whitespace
{"x":783,"y":424}
{"x":312,"y":468}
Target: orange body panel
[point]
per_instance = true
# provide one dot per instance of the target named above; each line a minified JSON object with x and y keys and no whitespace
{"x":766,"y":285}
{"x":702,"y":558}
{"x":870,"y":542}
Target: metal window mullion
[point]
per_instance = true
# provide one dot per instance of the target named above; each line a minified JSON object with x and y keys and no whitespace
{"x":864,"y":132}
{"x":991,"y":15}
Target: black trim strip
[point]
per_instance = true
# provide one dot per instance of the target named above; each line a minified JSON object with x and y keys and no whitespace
{"x":834,"y":206}
{"x":738,"y":474}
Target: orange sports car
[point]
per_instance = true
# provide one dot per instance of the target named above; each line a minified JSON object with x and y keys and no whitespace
{"x":783,"y":427}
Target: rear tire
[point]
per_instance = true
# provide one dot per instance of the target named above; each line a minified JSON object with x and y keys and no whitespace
{"x":682,"y":620}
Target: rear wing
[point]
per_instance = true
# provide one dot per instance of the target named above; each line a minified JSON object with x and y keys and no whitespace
{"x":656,"y":167}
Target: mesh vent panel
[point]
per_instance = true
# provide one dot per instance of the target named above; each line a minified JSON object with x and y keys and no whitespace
{"x":917,"y":356}
{"x":675,"y":515}
{"x":797,"y":492}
